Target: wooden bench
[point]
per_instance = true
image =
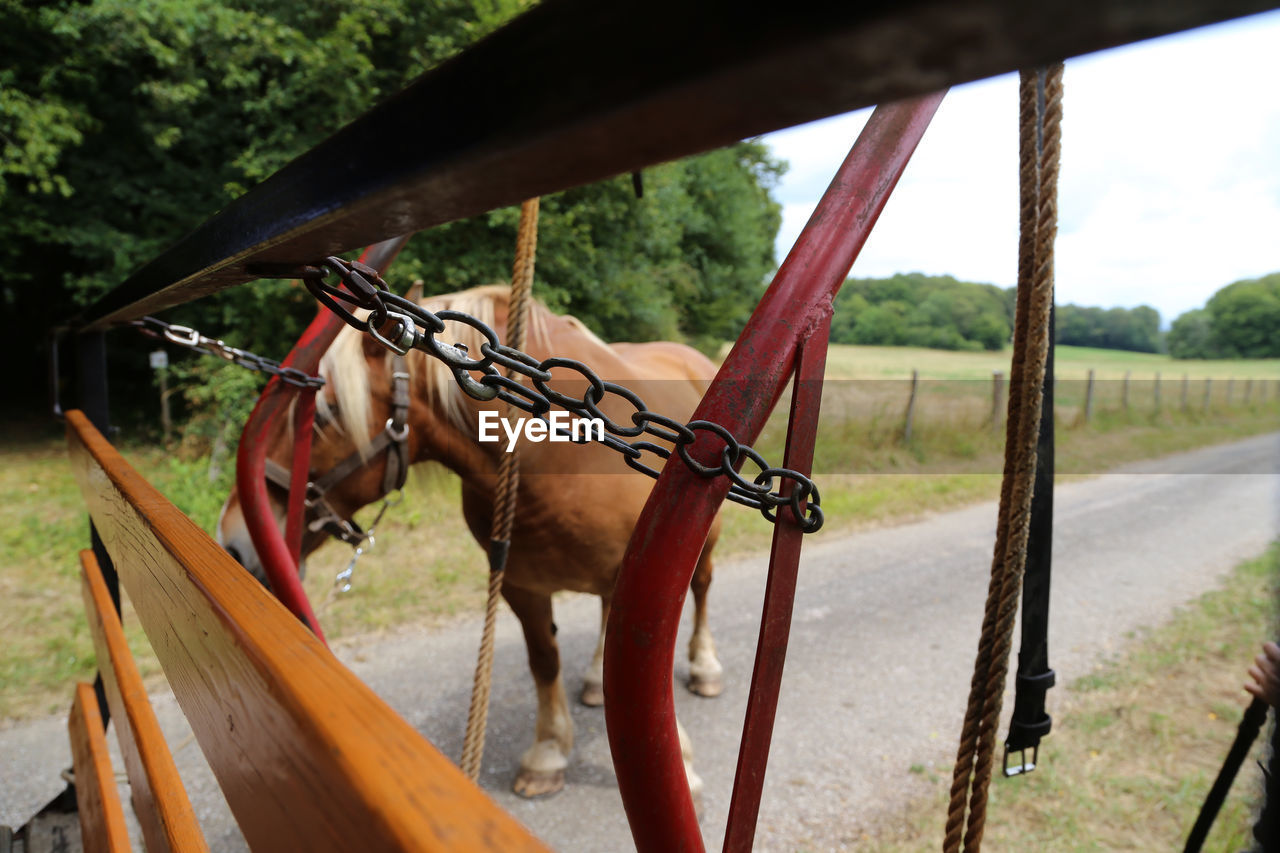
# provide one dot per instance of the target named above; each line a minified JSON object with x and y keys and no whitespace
{"x":306,"y":755}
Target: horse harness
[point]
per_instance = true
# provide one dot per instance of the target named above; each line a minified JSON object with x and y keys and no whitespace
{"x":393,"y":440}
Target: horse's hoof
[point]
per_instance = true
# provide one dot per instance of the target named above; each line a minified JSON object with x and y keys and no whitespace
{"x":535,"y":783}
{"x":708,"y":687}
{"x":592,"y":695}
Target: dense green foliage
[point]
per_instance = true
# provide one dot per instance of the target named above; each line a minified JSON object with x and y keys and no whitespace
{"x":1242,"y":320}
{"x":126,"y":124}
{"x":914,"y":309}
{"x":1134,"y":329}
{"x":1191,"y":336}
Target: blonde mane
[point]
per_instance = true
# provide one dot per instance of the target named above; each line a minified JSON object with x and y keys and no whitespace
{"x":345,"y":371}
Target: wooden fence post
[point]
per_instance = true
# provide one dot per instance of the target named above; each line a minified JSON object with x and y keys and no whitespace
{"x":1230,"y":384}
{"x":1157,"y":392}
{"x":1088,"y":398}
{"x":997,"y":393}
{"x":1208,"y":389}
{"x":911,"y":406}
{"x":1124,"y":393}
{"x":1186,"y":383}
{"x":1248,"y":390}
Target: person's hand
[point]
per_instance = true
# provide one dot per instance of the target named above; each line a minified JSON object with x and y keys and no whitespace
{"x":1266,"y":675}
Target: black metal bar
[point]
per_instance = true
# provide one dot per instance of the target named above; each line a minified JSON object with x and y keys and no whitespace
{"x":579,"y":90}
{"x":1266,"y":830}
{"x":55,"y":372}
{"x":1254,"y":717}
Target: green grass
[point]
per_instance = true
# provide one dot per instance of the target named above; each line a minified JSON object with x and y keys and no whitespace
{"x":859,"y":362}
{"x":426,"y":566}
{"x":1136,"y":744}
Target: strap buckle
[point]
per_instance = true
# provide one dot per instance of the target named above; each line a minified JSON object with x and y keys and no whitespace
{"x":395,"y":434}
{"x":1026,"y":733}
{"x":1024,"y":766}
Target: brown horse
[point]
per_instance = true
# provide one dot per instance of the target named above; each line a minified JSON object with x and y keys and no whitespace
{"x":577,"y":504}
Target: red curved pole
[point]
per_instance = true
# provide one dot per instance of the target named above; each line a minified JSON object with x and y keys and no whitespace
{"x":277,"y":558}
{"x":655,"y":575}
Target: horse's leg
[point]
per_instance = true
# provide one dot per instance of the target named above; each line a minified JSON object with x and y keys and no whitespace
{"x":593,"y":678}
{"x":705,"y":672}
{"x":686,"y":752}
{"x":542,"y":766}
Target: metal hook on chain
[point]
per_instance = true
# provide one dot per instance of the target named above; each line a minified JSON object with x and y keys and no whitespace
{"x":342,"y":581}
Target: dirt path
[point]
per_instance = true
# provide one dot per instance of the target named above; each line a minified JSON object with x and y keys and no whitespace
{"x":886,"y":625}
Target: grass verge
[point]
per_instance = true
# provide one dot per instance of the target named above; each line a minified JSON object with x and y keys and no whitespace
{"x":1136,"y":744}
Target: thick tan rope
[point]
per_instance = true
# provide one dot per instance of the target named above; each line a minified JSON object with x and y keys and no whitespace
{"x":975,"y":756}
{"x":504,"y":502}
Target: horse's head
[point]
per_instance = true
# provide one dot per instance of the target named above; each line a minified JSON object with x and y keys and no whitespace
{"x":376,"y":414}
{"x":361,"y":449}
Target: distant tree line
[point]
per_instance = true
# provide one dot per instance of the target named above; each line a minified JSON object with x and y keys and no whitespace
{"x":1134,"y":329}
{"x":1242,"y":320}
{"x":913,"y":309}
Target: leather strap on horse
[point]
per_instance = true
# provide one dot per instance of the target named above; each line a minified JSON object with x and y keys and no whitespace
{"x":504,"y":502}
{"x":974,"y":757}
{"x":393,"y":441}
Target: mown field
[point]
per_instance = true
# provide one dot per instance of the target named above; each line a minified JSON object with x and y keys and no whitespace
{"x":426,"y":567}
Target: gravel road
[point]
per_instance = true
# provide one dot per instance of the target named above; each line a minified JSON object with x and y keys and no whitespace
{"x":886,"y":625}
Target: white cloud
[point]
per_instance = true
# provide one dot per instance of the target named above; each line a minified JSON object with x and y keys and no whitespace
{"x":1170,"y":182}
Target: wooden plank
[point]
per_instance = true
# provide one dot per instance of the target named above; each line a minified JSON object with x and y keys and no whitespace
{"x":102,"y":826}
{"x":308,"y":757}
{"x":159,"y":798}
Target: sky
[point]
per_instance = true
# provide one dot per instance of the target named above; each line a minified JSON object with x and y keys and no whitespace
{"x":1170,"y":175}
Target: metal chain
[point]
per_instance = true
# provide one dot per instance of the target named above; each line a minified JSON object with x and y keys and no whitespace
{"x":342,"y":581}
{"x":185,"y":336}
{"x":400,"y":325}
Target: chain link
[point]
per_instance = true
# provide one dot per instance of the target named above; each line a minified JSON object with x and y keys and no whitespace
{"x":400,"y":325}
{"x":185,"y":336}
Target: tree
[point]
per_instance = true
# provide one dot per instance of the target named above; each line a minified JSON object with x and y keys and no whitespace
{"x":1134,"y":329}
{"x":1191,"y":336}
{"x":913,"y":309}
{"x":689,"y":259}
{"x":1241,"y":320}
{"x":1245,"y":318}
{"x":126,"y":124}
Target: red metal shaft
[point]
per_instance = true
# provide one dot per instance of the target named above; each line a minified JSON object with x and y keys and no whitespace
{"x":251,"y":482}
{"x":251,"y":476}
{"x":655,"y":575}
{"x":779,"y":597}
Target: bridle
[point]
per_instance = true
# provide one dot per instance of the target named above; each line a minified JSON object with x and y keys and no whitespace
{"x":393,"y":441}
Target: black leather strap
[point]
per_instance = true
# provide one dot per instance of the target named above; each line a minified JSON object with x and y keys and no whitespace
{"x":1030,"y":722}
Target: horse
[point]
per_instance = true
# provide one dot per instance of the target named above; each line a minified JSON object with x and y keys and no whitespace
{"x":577,"y":504}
